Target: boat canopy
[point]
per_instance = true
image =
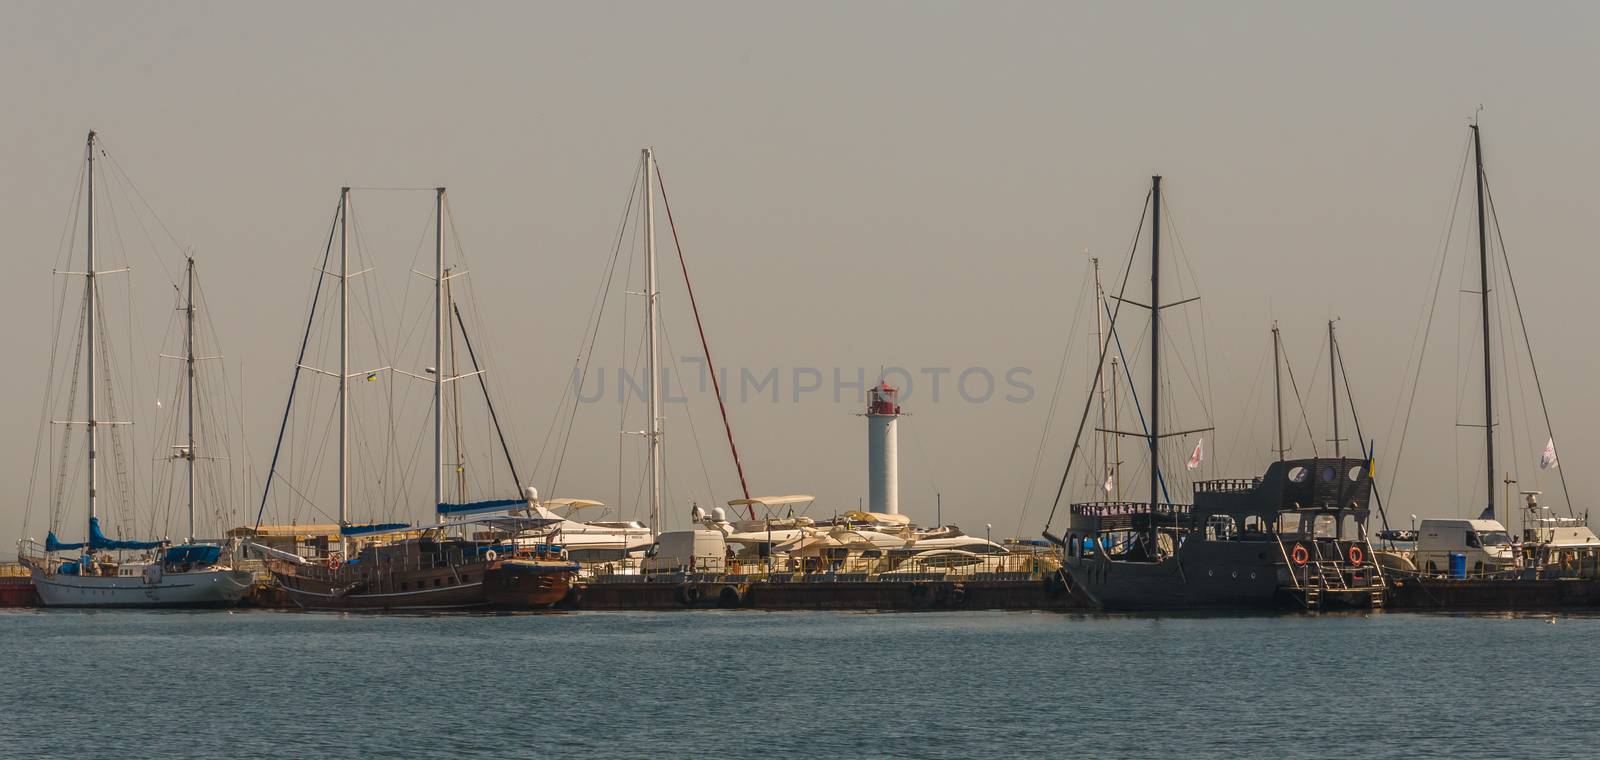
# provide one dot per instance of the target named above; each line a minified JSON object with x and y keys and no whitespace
{"x":573,"y":504}
{"x":375,"y":529}
{"x":877,"y":517}
{"x":773,"y":501}
{"x":472,"y":507}
{"x":199,"y":554}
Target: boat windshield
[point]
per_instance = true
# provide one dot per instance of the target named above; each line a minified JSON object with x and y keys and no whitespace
{"x":1494,"y":537}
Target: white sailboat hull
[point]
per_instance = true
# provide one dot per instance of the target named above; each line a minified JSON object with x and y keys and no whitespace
{"x":218,"y":587}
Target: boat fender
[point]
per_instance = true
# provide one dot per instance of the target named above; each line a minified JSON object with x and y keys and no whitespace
{"x":1300,"y":555}
{"x":730,"y":598}
{"x":1356,"y":555}
{"x":688,"y":594}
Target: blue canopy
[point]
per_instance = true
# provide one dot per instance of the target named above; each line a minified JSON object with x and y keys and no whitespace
{"x":492,"y":505}
{"x":98,"y":540}
{"x":53,"y":544}
{"x":199,"y":554}
{"x":375,"y":528}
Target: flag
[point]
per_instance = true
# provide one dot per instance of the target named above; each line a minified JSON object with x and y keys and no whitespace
{"x":1111,"y":480}
{"x":1547,"y":460}
{"x":372,"y":377}
{"x":1199,"y":455}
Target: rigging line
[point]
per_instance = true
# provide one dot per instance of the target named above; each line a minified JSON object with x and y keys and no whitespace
{"x":1088,"y":404}
{"x":590,"y":335}
{"x":1301,"y":402}
{"x":1133,"y":390}
{"x":1338,"y":356}
{"x":688,"y":412}
{"x":128,"y":183}
{"x":294,"y":379}
{"x":1248,"y":416}
{"x":1426,"y":328}
{"x":483,"y":384}
{"x":704,"y":346}
{"x":59,"y":303}
{"x":1055,"y":395}
{"x":1202,"y":358}
{"x":1527,"y":342}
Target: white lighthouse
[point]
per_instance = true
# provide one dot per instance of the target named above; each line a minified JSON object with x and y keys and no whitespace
{"x":883,"y":412}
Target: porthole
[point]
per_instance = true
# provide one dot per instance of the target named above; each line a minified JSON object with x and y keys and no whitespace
{"x":1327,"y":474}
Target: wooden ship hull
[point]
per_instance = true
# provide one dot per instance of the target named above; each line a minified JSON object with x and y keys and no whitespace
{"x":451,"y":587}
{"x":522,"y":584}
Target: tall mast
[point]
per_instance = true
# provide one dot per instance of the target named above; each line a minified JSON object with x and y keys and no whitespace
{"x":1155,"y":351}
{"x":1277,"y":384}
{"x":653,"y":432}
{"x":438,"y":353}
{"x":1099,"y":347}
{"x":344,"y":363}
{"x":1488,"y":376}
{"x":1333,"y":386}
{"x":1116,"y":440}
{"x":89,"y":319}
{"x":188,"y":358}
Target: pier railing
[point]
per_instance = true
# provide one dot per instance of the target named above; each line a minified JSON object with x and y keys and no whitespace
{"x":983,"y":568}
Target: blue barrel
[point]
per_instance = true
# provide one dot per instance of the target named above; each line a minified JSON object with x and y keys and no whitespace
{"x":1458,"y":565}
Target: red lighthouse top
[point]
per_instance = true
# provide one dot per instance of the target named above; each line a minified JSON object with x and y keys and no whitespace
{"x":883,"y":400}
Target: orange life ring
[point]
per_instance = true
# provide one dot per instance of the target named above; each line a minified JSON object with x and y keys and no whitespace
{"x":335,"y":560}
{"x":1300,"y":554}
{"x":1355,"y":555}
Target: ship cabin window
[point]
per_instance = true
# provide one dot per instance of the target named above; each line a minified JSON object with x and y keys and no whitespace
{"x":1325,"y":526}
{"x":1297,"y":474}
{"x":1349,"y":528}
{"x":1072,"y":546}
{"x":1254,"y":524}
{"x":1220,"y":528}
{"x":1289,"y":523}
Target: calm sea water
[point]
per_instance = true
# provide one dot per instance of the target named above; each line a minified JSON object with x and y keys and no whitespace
{"x":751,"y":684}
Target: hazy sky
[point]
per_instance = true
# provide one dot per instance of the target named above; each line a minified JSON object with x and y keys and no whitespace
{"x":857,"y":185}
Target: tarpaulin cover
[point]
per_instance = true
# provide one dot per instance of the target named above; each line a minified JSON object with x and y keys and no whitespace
{"x":98,"y":540}
{"x":53,"y":544}
{"x":199,"y":554}
{"x":367,"y":530}
{"x":492,"y":505}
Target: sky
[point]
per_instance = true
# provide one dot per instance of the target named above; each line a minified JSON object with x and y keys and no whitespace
{"x":856,"y":186}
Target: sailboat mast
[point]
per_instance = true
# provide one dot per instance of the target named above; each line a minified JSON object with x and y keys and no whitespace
{"x":88,"y":322}
{"x":1488,"y":374}
{"x":653,"y":432}
{"x":1277,"y":384}
{"x":1155,"y":350}
{"x":188,"y":358}
{"x":1099,"y":347}
{"x":438,"y":353}
{"x":1333,"y":387}
{"x":344,"y":363}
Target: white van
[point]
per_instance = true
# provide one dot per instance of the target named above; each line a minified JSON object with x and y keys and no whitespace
{"x":1486,"y":544}
{"x":688,"y":551}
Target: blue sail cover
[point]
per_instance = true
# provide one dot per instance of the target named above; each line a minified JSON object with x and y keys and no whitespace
{"x":98,"y":540}
{"x":53,"y":544}
{"x":199,"y":554}
{"x":473,"y":507}
{"x":374,"y":529}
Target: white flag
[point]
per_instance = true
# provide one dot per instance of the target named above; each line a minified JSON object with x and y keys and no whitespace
{"x":1110,"y":480}
{"x":1547,"y":460}
{"x":1199,"y":455}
